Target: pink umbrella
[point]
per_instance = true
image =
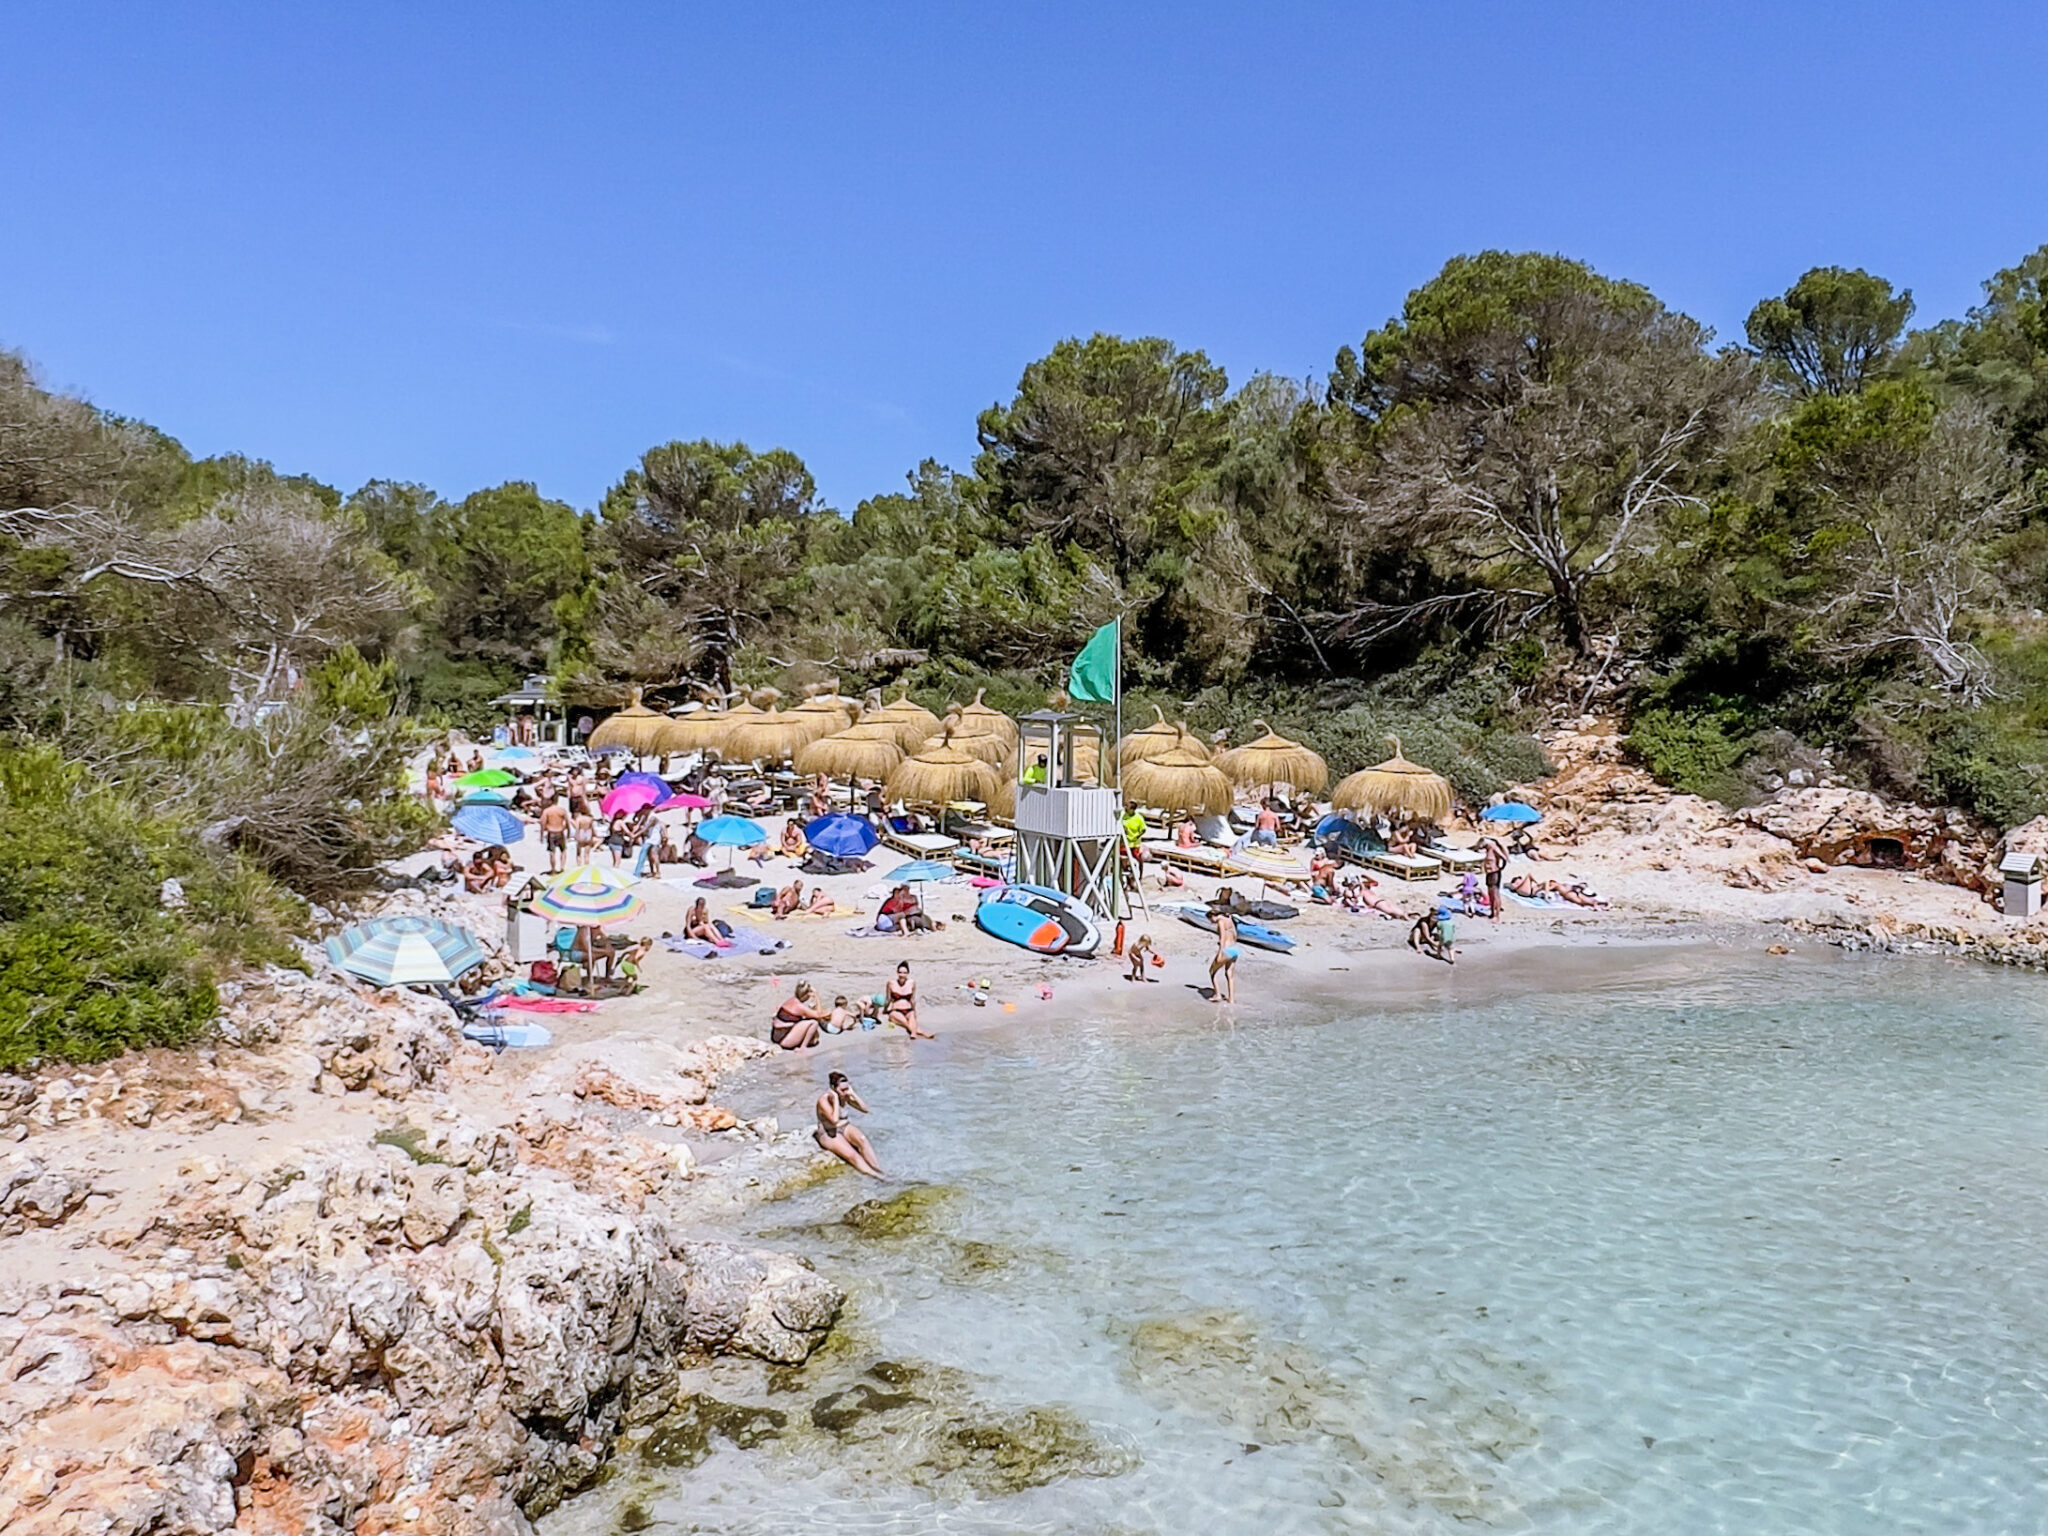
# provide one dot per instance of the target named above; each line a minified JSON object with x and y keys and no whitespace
{"x":685,"y":803}
{"x":628,"y":798}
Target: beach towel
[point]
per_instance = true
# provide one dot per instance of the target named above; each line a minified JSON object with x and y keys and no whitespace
{"x":1546,"y":900}
{"x":745,"y":941}
{"x":547,"y":1005}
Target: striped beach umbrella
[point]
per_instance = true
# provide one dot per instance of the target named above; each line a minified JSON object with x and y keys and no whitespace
{"x":589,"y":897}
{"x":406,"y":951}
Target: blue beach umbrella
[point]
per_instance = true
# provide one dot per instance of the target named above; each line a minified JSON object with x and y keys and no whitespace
{"x":405,"y":951}
{"x":488,"y":824}
{"x":486,"y":797}
{"x":1513,"y":812}
{"x":515,"y":752}
{"x":732,"y":832}
{"x":843,"y":836}
{"x":918,"y":871}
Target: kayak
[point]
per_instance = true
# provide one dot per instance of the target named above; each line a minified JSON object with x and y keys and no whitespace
{"x":1017,"y":924}
{"x":1248,"y":931}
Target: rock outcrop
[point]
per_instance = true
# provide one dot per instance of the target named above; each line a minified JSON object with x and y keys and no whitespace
{"x":1849,"y":826}
{"x":443,"y":1330}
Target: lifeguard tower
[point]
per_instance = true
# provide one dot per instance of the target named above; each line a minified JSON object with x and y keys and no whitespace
{"x":1068,"y":834}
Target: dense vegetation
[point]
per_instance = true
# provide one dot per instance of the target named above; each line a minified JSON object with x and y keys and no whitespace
{"x":1533,"y":492}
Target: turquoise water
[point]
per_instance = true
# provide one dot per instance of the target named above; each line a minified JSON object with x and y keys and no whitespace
{"x":1715,"y":1244}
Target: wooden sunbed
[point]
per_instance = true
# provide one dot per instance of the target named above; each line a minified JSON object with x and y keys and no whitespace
{"x":920,"y":845}
{"x":1456,"y":860}
{"x":1404,"y":866}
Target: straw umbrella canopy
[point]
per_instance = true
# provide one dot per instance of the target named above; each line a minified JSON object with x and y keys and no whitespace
{"x":992,"y":750}
{"x":980,"y":720}
{"x":703,"y":731}
{"x":1274,"y":760}
{"x":831,"y":715}
{"x":913,"y":724}
{"x":1178,"y":781}
{"x":1396,"y":787}
{"x":864,"y":752}
{"x":1158,"y":739}
{"x":765,"y":737}
{"x":636,"y":728}
{"x":941,"y":774}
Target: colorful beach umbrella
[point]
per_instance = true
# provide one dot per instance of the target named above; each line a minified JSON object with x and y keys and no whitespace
{"x":486,"y":797}
{"x":1513,"y":812}
{"x":684,"y":802}
{"x":843,"y":836}
{"x":625,"y":799}
{"x":487,"y":778}
{"x":488,"y":824}
{"x":653,"y":781}
{"x":589,"y":897}
{"x":406,"y":951}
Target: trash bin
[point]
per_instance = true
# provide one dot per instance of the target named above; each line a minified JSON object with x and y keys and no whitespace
{"x":526,"y":935}
{"x":2022,"y":872}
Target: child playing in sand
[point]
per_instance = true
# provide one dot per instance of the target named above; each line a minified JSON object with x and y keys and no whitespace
{"x":1140,"y":952}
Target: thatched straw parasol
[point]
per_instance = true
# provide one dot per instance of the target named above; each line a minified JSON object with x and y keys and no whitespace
{"x":980,"y":720}
{"x":636,"y":728}
{"x":832,"y":711}
{"x":1273,"y":760}
{"x":966,"y":737}
{"x":863,"y":752}
{"x":1156,"y":740}
{"x":702,"y":731}
{"x":913,"y":724}
{"x":1178,"y":781}
{"x":1396,"y":787}
{"x":765,"y":738}
{"x":941,"y":774}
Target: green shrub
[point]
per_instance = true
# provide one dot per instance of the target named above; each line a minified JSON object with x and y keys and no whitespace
{"x":1695,"y":751}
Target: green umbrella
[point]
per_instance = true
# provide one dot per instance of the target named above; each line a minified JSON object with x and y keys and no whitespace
{"x":488,"y":778}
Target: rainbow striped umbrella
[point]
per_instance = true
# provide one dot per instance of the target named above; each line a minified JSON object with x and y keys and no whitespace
{"x":589,"y":897}
{"x":405,"y":951}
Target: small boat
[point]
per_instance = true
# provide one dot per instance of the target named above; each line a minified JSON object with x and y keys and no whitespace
{"x":1248,"y":931}
{"x":1015,"y":923}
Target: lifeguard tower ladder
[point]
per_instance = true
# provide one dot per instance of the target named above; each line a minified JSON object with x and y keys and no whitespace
{"x":1069,"y":837}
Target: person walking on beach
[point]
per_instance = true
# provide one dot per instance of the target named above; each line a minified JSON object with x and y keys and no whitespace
{"x":1223,"y":969}
{"x":837,"y":1134}
{"x":1495,"y":864}
{"x":554,"y":835}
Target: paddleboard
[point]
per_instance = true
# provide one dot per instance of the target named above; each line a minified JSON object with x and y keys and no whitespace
{"x":1023,"y":926}
{"x":1084,"y":934}
{"x":1248,"y":932}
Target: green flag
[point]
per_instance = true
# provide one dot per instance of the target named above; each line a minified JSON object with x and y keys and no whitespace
{"x":1093,"y":679}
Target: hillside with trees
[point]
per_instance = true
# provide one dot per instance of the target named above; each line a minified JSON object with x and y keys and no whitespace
{"x":1534,"y":492}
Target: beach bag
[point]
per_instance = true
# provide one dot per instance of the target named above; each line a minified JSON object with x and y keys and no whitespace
{"x":764,"y":896}
{"x":543,"y":973}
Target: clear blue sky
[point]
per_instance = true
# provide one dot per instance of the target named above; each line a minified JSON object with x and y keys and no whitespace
{"x":463,"y":244}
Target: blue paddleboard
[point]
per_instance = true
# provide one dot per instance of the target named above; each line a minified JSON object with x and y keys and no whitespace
{"x":1022,"y":926}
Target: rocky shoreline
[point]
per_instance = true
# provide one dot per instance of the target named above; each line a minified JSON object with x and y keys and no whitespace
{"x":442,"y":1325}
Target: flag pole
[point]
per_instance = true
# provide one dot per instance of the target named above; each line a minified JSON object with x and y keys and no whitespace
{"x":1118,"y":690}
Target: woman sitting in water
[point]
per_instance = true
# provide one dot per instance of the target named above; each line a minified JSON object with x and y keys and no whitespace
{"x":901,"y":992}
{"x":795,"y":1025}
{"x":836,"y":1133}
{"x":698,"y":925}
{"x":788,"y":899}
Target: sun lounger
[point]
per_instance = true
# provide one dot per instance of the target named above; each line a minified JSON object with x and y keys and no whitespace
{"x":1456,"y":860}
{"x":920,"y":845}
{"x":968,"y":862}
{"x":1202,"y":861}
{"x":1403,"y":866}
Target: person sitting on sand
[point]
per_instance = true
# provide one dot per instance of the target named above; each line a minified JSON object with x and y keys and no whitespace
{"x":1322,"y":878}
{"x":478,"y":876}
{"x":788,"y":899}
{"x":904,"y":912}
{"x":796,"y":1021}
{"x":698,"y":925}
{"x":1519,"y":841}
{"x":901,"y":992}
{"x":841,"y":1019}
{"x":1140,"y":952}
{"x":820,"y":905}
{"x":502,"y":867}
{"x":1430,"y":937}
{"x":838,"y":1135}
{"x":1362,"y":895}
{"x":793,"y":845}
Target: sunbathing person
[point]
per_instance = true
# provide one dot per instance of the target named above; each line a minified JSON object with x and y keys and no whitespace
{"x":698,"y":925}
{"x":820,"y":905}
{"x":795,"y":1025}
{"x":788,"y":899}
{"x":821,"y":797}
{"x":793,"y":845}
{"x":1528,"y":887}
{"x":837,"y":1135}
{"x":1361,"y":894}
{"x":1577,"y":894}
{"x":1184,"y":835}
{"x":1401,"y":842}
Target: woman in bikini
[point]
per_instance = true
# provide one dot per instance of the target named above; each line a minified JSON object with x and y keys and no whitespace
{"x":901,"y":993}
{"x":795,"y":1025}
{"x":698,"y":925}
{"x":1223,"y":969}
{"x":582,"y":828}
{"x":836,"y":1133}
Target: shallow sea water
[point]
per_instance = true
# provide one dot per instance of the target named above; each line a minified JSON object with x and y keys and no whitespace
{"x":1710,"y":1244}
